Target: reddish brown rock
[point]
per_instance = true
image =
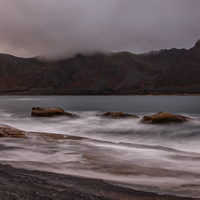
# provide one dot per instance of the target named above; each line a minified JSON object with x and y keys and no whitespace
{"x":117,"y":115}
{"x":11,"y":132}
{"x":164,"y":117}
{"x":49,"y":112}
{"x":53,"y":137}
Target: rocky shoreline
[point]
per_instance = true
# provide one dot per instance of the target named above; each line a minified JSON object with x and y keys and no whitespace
{"x":22,"y":182}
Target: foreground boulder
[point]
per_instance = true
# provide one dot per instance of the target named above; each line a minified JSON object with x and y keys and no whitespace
{"x":11,"y":132}
{"x":163,"y":117}
{"x":117,"y":115}
{"x":49,"y":112}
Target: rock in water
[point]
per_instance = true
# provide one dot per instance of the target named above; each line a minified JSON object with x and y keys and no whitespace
{"x":163,"y":117}
{"x":11,"y":132}
{"x":117,"y":115}
{"x":49,"y":112}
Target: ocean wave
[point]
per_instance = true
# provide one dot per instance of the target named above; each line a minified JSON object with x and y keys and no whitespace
{"x":5,"y":114}
{"x":30,"y":99}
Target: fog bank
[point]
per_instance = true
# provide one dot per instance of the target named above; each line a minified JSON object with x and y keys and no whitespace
{"x":62,"y":28}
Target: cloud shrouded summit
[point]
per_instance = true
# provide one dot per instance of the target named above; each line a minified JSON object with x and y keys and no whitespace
{"x":62,"y":28}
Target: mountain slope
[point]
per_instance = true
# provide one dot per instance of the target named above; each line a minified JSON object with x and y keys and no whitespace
{"x":164,"y":72}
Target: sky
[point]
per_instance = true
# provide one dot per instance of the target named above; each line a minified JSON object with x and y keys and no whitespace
{"x":55,"y":29}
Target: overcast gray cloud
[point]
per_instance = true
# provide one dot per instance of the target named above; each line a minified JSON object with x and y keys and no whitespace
{"x":62,"y":28}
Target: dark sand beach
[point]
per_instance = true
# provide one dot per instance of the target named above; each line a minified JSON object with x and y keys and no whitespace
{"x":24,"y":184}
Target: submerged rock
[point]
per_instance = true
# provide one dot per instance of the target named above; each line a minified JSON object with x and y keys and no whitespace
{"x":49,"y":112}
{"x":54,"y":137}
{"x":11,"y":132}
{"x":117,"y":115}
{"x":163,"y":117}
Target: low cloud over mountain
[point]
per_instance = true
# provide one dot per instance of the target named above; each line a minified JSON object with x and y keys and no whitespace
{"x":174,"y":71}
{"x":63,"y":28}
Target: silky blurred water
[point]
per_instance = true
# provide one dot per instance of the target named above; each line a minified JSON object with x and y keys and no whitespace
{"x":113,"y":149}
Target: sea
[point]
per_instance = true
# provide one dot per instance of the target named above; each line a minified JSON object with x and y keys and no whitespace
{"x":158,"y":158}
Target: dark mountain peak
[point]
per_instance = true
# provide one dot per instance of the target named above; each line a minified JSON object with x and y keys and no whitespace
{"x":194,"y":51}
{"x":197,"y":45}
{"x":80,"y":56}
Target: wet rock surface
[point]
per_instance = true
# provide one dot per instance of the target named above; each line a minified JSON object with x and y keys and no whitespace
{"x":50,"y":112}
{"x":117,"y":115}
{"x":7,"y":131}
{"x":55,"y":137}
{"x":28,"y":185}
{"x":11,"y":132}
{"x":163,"y":118}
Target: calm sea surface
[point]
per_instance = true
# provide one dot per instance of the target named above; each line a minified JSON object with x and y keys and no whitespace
{"x":157,"y":156}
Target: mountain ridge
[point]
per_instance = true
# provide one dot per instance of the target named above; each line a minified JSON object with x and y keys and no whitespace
{"x":173,"y":71}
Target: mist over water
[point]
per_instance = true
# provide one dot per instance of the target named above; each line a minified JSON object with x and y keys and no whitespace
{"x":123,"y":150}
